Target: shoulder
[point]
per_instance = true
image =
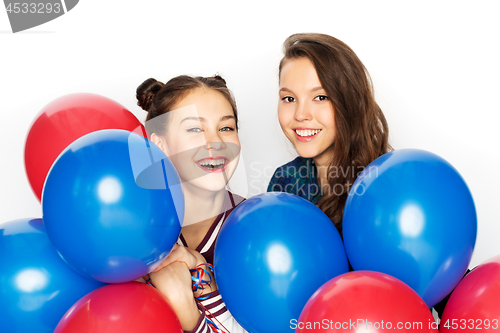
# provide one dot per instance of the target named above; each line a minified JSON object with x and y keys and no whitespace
{"x":297,"y":177}
{"x":231,"y":204}
{"x":300,"y":167}
{"x":235,"y":199}
{"x":298,"y":162}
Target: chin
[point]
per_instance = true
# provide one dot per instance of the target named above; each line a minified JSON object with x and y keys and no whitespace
{"x":210,"y":183}
{"x":306,"y":153}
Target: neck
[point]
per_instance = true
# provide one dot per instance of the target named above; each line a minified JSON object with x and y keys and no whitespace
{"x":201,"y":207}
{"x":322,"y":163}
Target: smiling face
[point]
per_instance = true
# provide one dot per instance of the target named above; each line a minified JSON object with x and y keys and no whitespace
{"x":305,"y":112}
{"x":201,"y":140}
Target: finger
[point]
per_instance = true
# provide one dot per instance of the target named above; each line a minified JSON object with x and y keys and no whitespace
{"x":182,"y":254}
{"x":170,"y":258}
{"x":178,"y":253}
{"x":176,"y":246}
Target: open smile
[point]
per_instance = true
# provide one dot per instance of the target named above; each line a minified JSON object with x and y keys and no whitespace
{"x":213,"y":164}
{"x":305,"y":134}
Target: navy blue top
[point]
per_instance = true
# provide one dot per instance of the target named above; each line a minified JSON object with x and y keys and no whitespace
{"x":297,"y":177}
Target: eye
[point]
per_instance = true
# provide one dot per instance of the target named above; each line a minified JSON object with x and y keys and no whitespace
{"x":227,"y":129}
{"x":195,"y":129}
{"x":288,"y":99}
{"x":321,"y":98}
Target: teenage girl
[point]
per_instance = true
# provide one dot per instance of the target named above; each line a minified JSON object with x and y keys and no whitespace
{"x":328,"y":112}
{"x":195,"y":122}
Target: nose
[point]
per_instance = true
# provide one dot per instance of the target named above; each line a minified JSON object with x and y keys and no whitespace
{"x":211,"y":145}
{"x":302,"y":112}
{"x":213,"y":141}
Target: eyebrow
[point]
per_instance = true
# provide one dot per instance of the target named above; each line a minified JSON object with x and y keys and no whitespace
{"x":312,"y":90}
{"x":201,"y":119}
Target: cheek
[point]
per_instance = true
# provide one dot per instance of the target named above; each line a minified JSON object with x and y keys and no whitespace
{"x":190,"y":143}
{"x":284,"y":118}
{"x":232,"y":138}
{"x":328,"y":120}
{"x":331,"y":126}
{"x":181,"y":145}
{"x":233,"y":144}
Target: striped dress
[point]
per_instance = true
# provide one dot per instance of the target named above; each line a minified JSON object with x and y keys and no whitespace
{"x":214,"y":303}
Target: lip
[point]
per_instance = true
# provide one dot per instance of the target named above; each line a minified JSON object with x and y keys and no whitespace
{"x":226,"y":163}
{"x":305,"y":138}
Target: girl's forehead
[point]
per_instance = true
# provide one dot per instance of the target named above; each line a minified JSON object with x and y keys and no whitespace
{"x":190,"y":113}
{"x":184,"y":111}
{"x":202,"y":103}
{"x":299,"y":73}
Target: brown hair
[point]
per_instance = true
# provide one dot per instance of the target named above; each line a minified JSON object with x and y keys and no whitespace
{"x":361,"y":128}
{"x":158,"y":98}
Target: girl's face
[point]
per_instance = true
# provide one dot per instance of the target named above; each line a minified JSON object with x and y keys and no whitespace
{"x":305,"y":112}
{"x":201,"y":140}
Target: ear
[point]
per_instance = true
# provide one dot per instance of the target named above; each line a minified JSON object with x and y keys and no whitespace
{"x":160,"y":142}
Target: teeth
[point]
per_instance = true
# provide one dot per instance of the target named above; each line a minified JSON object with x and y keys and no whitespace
{"x":213,"y":163}
{"x":307,"y":132}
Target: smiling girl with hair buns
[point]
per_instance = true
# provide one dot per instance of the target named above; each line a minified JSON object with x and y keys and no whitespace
{"x":195,"y":122}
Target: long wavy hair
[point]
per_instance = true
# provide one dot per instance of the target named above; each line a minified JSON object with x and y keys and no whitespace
{"x":361,"y":128}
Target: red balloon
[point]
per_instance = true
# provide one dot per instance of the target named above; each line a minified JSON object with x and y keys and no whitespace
{"x":63,"y":121}
{"x":121,"y":308}
{"x":365,"y":301}
{"x":474,"y":304}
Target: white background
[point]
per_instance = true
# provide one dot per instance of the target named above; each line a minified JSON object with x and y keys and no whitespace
{"x":435,"y":67}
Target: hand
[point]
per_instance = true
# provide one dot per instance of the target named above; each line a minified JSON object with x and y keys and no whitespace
{"x":183,"y":254}
{"x":174,"y":282}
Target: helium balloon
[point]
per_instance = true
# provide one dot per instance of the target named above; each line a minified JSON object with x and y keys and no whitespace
{"x":113,"y":205}
{"x":411,"y":215}
{"x":474,"y":304}
{"x":365,"y":301}
{"x":36,"y":285}
{"x":121,"y":308}
{"x":63,"y":121}
{"x":280,"y":248}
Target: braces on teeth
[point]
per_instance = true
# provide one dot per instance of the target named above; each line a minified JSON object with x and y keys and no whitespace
{"x":214,"y":164}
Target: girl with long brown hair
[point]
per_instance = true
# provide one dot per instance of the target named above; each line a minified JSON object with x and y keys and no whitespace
{"x":328,"y":112}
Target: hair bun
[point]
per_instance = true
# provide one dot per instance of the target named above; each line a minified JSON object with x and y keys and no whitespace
{"x":219,"y":78}
{"x":146,"y":93}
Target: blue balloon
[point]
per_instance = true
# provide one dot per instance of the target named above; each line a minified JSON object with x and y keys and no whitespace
{"x":273,"y":252}
{"x":113,"y":205}
{"x":410,"y":214}
{"x":36,"y":286}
